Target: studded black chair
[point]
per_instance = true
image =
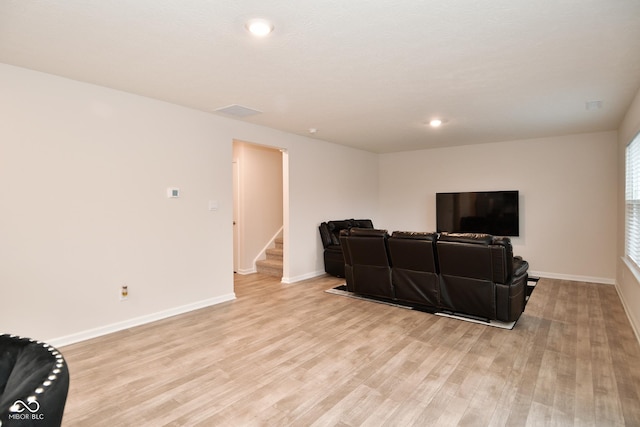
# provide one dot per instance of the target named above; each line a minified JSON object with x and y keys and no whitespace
{"x":34,"y":382}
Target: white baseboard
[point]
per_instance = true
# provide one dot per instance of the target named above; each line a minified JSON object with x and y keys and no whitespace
{"x":287,"y":280}
{"x":635,"y":324}
{"x":295,"y":279}
{"x":588,"y":279}
{"x":115,"y":327}
{"x":244,"y":271}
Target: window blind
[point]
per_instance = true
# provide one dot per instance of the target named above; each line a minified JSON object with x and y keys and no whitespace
{"x":632,"y":202}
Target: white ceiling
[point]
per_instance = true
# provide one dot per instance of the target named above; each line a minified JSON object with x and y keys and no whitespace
{"x":364,"y":73}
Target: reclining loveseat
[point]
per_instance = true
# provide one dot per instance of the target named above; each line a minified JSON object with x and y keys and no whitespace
{"x":469,"y":274}
{"x":330,"y":237}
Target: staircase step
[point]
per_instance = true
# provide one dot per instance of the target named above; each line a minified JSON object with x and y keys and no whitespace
{"x":270,"y":267}
{"x":275,"y":253}
{"x":279,"y":243}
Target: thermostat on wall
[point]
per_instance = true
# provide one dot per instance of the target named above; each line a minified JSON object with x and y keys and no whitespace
{"x":173,"y":193}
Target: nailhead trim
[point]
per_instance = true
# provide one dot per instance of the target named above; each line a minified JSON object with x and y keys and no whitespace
{"x":53,"y":375}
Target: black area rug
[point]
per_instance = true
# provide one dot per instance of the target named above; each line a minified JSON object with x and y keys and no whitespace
{"x":342,"y":290}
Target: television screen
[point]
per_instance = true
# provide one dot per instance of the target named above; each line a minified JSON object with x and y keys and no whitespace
{"x":491,"y":212}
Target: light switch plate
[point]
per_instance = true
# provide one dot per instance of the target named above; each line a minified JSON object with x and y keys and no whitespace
{"x":173,"y":192}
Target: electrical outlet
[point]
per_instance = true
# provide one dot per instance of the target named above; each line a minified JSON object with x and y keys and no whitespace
{"x":124,"y":293}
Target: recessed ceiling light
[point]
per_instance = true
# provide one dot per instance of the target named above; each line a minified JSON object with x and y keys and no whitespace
{"x":259,"y":27}
{"x":435,"y":123}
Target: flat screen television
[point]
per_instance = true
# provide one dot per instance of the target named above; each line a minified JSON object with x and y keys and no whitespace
{"x":491,"y":212}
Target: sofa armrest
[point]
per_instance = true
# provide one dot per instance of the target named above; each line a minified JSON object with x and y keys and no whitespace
{"x":325,"y":235}
{"x":520,"y":267}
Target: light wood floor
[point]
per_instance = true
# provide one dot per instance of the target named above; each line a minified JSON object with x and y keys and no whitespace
{"x":294,"y":355}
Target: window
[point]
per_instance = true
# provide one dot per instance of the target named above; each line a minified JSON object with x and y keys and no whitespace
{"x":632,"y":202}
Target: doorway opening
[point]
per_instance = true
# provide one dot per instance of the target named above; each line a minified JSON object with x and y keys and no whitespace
{"x":260,"y":209}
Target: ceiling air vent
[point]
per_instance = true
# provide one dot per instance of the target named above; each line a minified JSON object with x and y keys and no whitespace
{"x":238,"y":111}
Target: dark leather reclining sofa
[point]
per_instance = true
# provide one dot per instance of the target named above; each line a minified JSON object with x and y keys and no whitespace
{"x":470,"y":274}
{"x":330,"y":236}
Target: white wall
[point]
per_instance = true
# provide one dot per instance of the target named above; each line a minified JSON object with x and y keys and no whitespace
{"x":627,"y":280}
{"x":83,"y":206}
{"x":567,"y":203}
{"x":337,"y":183}
{"x":86,"y":209}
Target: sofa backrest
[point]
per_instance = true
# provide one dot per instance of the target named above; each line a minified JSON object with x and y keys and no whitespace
{"x":476,"y":255}
{"x":371,"y":266}
{"x":414,"y":267}
{"x":368,"y":246}
{"x":413,"y":251}
{"x":466,"y":255}
{"x":466,"y":274}
{"x":330,"y":230}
